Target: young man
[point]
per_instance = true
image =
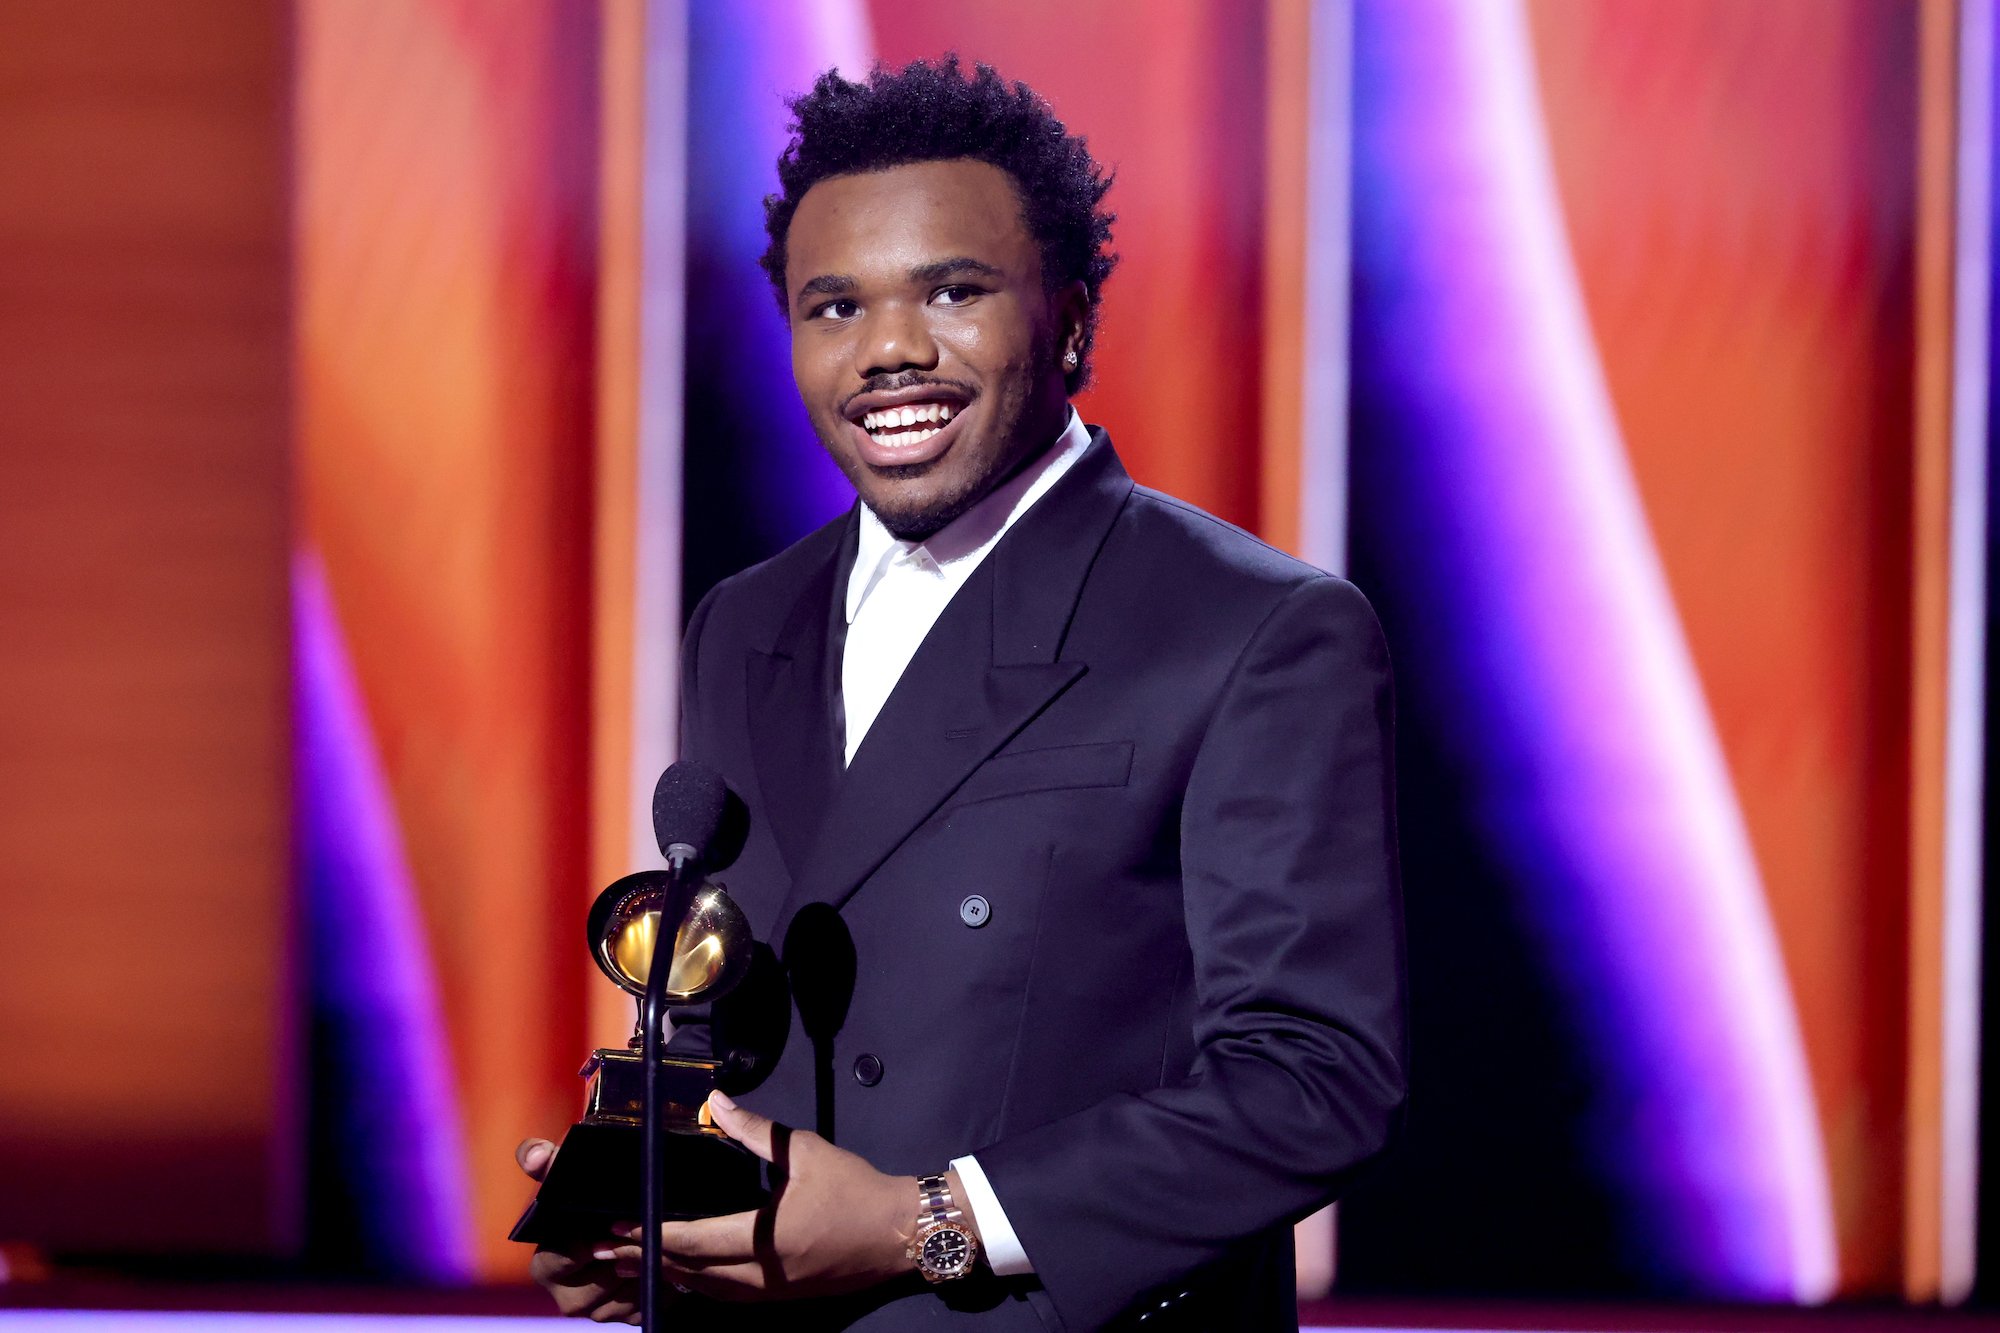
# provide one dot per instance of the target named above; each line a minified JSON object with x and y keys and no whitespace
{"x":1072,"y":813}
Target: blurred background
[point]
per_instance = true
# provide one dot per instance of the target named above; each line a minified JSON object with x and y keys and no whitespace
{"x":381,"y":381}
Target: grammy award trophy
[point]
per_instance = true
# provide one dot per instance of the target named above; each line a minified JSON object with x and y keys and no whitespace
{"x":597,"y":1177}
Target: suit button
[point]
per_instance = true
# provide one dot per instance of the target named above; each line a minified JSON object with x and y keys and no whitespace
{"x":867,"y":1070}
{"x":974,"y":911}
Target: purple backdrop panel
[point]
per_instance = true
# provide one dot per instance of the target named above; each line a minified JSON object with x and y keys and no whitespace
{"x":1535,"y":633}
{"x":389,"y":1161}
{"x":757,"y":478}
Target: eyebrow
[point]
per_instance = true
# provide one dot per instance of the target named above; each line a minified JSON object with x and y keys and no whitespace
{"x":827,"y":284}
{"x":839,"y":284}
{"x":956,"y":266}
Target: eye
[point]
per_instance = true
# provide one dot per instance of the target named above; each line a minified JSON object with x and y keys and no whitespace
{"x":840,"y":308}
{"x":959,"y":293}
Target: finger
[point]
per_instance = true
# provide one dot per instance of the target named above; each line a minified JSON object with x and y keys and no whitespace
{"x":711,"y":1240}
{"x":753,"y":1131}
{"x":534,"y":1156}
{"x":631,"y":1262}
{"x":554,"y":1265}
{"x":620,"y":1304}
{"x":726,"y":1239}
{"x":724,"y":1282}
{"x":578,"y":1298}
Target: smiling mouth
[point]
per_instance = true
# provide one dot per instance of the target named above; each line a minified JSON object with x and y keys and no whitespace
{"x":906,"y":427}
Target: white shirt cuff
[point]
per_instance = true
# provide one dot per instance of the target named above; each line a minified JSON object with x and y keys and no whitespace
{"x":996,"y":1234}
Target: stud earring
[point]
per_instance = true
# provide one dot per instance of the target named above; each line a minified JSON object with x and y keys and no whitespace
{"x":1070,"y":358}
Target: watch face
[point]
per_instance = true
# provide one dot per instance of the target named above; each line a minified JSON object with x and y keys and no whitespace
{"x":947,"y":1251}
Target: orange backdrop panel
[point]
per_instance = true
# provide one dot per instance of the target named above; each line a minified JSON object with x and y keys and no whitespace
{"x":145,"y":1004}
{"x":1740,"y":186}
{"x":447,"y":234}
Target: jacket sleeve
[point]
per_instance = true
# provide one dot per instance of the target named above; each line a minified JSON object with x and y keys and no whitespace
{"x":1293,"y":914}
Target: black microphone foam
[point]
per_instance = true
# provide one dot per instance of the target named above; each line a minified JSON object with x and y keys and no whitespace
{"x":689,"y":803}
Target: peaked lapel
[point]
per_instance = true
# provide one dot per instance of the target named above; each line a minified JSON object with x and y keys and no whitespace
{"x":988,"y":666}
{"x":793,"y":693}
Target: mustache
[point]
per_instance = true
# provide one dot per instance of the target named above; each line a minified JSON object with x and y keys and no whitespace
{"x":908,"y":379}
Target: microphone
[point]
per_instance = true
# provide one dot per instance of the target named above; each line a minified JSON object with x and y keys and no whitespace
{"x":689,"y":803}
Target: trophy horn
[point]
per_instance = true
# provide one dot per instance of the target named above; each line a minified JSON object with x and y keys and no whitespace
{"x":711,"y":949}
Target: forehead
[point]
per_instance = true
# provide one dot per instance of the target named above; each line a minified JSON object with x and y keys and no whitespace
{"x":890,"y":221}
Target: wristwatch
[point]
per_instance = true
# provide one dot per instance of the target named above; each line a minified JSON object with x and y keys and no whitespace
{"x":944,"y":1247}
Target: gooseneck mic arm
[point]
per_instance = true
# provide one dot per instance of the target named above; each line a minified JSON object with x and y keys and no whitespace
{"x":652,"y":1039}
{"x":688,"y":809}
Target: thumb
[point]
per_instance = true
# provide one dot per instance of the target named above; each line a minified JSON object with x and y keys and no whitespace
{"x":753,"y":1131}
{"x":534,"y":1156}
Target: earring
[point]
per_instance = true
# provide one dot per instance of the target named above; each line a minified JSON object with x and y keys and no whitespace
{"x":1070,"y":358}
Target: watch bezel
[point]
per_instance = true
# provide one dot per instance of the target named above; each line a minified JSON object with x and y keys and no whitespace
{"x":920,"y":1251}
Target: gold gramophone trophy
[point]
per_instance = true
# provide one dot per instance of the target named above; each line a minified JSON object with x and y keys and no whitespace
{"x":597,"y":1177}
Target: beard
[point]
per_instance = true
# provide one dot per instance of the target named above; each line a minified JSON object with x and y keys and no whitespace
{"x":920,"y":518}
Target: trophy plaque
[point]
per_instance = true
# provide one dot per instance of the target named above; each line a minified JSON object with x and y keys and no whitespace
{"x":596,"y":1178}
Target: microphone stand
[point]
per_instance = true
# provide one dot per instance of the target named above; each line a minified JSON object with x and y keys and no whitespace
{"x":652,"y":1023}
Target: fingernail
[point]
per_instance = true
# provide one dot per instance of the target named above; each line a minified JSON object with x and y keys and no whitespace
{"x":604,"y":1252}
{"x":721,"y":1098}
{"x":625,"y":1268}
{"x":628,"y":1230}
{"x":537,"y":1155}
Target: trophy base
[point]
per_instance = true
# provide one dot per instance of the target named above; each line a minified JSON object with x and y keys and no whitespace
{"x":596,"y":1177}
{"x":596,"y":1180}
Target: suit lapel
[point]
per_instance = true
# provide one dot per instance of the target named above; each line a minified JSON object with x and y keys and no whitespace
{"x":794,"y":693}
{"x":991,"y":663}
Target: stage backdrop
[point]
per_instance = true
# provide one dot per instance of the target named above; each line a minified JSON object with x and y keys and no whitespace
{"x":1630,"y":354}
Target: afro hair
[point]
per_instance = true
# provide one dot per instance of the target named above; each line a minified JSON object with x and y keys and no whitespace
{"x":931,"y":111}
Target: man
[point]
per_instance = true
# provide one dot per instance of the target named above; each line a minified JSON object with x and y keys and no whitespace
{"x":1072,"y":815}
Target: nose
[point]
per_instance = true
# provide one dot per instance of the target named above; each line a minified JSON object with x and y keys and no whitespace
{"x":895,"y":337}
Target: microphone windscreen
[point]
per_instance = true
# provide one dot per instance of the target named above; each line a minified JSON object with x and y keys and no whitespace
{"x":688,"y":806}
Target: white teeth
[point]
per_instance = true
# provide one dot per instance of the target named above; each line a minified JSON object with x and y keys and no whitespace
{"x":892,"y":418}
{"x":904,"y":438}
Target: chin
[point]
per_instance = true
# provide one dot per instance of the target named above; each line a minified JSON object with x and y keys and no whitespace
{"x":914,"y":518}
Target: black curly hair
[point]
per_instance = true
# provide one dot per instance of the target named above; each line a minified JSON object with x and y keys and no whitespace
{"x":931,"y":111}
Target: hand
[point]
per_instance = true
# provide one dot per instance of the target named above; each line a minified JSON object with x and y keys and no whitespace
{"x":834,"y":1223}
{"x":581,"y":1278}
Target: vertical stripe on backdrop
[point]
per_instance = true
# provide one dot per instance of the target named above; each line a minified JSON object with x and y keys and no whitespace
{"x":1322,"y":498}
{"x":638,"y":521}
{"x":1961,"y":921}
{"x":1930,"y":602}
{"x":620,"y":669}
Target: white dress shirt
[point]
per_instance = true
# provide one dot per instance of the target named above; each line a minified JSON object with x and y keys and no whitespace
{"x":896,"y":593}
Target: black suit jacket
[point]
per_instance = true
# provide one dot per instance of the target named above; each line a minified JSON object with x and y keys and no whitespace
{"x":1159,"y":751}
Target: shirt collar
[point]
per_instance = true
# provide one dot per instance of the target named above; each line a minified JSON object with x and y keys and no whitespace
{"x":955,"y":550}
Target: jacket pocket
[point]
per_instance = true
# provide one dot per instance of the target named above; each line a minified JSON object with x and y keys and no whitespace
{"x":1058,"y":768}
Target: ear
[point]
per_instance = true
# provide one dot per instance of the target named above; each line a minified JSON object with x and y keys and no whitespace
{"x":1072,"y":305}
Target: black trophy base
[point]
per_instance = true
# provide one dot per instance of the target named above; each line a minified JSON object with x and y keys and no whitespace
{"x":596,"y":1177}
